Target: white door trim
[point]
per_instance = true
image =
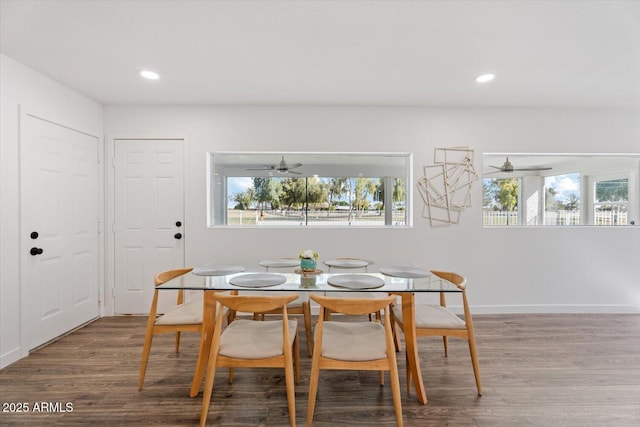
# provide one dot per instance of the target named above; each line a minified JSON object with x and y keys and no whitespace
{"x":109,"y":232}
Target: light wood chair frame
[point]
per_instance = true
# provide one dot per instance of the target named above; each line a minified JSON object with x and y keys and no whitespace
{"x":467,"y":333}
{"x":153,"y":329}
{"x":289,"y":360}
{"x":354,"y":307}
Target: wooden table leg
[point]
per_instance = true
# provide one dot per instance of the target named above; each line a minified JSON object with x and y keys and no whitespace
{"x":408,"y":321}
{"x":208,"y":321}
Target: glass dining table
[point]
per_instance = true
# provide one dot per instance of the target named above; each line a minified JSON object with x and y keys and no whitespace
{"x":405,"y":287}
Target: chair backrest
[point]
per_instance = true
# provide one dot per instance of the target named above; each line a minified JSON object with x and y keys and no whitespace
{"x":255,"y":303}
{"x":353,"y":306}
{"x":165,"y":276}
{"x":456,"y":279}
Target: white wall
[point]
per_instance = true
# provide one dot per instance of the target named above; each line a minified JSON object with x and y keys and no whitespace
{"x":21,"y":86}
{"x":509,"y":270}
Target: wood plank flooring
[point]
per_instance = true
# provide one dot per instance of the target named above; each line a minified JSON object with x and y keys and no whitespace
{"x":537,"y":370}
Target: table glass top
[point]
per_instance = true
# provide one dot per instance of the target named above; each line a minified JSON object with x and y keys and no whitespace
{"x":312,"y":283}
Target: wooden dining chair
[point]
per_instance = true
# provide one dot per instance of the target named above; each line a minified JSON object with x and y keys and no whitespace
{"x":299,"y":306}
{"x":354,"y":345}
{"x":438,"y":320}
{"x":183,"y":317}
{"x":254,"y":344}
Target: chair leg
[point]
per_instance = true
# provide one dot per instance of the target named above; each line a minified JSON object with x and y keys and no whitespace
{"x":313,"y":386}
{"x":306,"y":309}
{"x":445,"y":341}
{"x":408,"y":369}
{"x":146,"y":350}
{"x":474,"y":361}
{"x":296,"y":358}
{"x":394,"y":379}
{"x":208,"y":389}
{"x":177,"y":341}
{"x":290,"y":380}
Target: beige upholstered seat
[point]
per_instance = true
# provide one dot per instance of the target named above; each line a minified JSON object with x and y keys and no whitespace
{"x":181,"y":318}
{"x":438,"y":320}
{"x":353,"y":345}
{"x":184,"y":314}
{"x":247,"y":339}
{"x":254,"y":344}
{"x":434,"y":317}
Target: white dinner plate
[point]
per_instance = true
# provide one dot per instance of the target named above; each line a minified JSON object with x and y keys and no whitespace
{"x":410,"y":272}
{"x":217,"y":270}
{"x":355,"y":281}
{"x":258,"y":280}
{"x":347,"y":263}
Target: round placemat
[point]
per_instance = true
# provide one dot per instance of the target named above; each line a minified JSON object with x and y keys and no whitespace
{"x":258,"y":280}
{"x":347,"y":263}
{"x":217,"y":270}
{"x":280,"y":262}
{"x":355,"y":281}
{"x":410,"y":272}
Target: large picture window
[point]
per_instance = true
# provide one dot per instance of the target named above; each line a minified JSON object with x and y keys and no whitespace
{"x":561,"y":189}
{"x":309,"y":189}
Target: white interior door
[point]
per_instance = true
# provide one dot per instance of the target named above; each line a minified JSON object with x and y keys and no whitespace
{"x":59,"y":228}
{"x":149,"y":218}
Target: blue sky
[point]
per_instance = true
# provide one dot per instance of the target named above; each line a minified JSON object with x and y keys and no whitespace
{"x":565,"y":185}
{"x":238,"y":185}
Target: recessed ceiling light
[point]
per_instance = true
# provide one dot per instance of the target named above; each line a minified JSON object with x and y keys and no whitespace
{"x":485,"y":78}
{"x":149,"y":75}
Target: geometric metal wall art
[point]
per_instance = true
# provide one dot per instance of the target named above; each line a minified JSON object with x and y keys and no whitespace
{"x":445,"y":187}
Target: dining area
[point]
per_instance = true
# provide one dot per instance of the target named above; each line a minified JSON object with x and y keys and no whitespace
{"x":363,"y":320}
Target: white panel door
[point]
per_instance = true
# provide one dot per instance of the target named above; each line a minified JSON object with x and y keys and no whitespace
{"x":149,"y":218}
{"x":59,"y":228}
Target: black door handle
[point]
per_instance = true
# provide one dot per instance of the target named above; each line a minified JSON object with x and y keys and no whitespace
{"x":34,"y":235}
{"x":178,"y":236}
{"x":36,"y":251}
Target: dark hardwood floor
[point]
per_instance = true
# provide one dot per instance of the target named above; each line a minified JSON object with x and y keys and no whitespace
{"x":537,"y":370}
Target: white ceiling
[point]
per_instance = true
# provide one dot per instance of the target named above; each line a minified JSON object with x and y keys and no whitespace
{"x":414,"y":53}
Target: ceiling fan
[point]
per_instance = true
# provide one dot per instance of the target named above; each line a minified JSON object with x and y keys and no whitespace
{"x":507,"y":166}
{"x":282,"y":167}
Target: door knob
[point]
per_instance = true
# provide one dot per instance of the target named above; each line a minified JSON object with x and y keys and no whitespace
{"x":178,"y":236}
{"x":36,"y":251}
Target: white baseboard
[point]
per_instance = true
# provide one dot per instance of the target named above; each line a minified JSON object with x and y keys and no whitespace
{"x":10,"y":357}
{"x":555,"y":309}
